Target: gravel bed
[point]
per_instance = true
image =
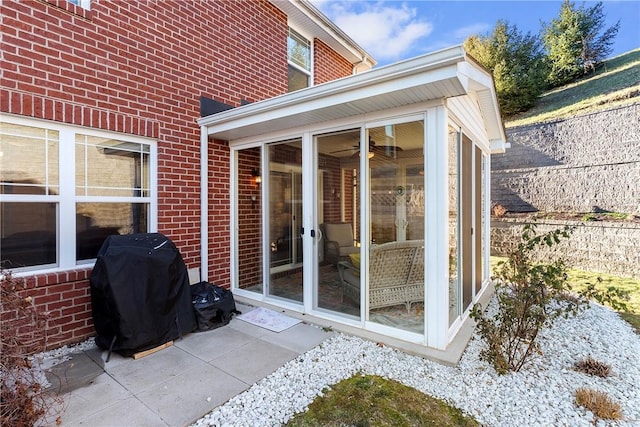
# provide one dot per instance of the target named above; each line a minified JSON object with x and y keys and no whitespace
{"x":542,"y":394}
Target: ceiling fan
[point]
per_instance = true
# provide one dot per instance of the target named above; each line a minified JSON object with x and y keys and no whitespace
{"x":384,"y":150}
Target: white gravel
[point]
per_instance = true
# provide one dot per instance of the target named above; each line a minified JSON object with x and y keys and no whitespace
{"x":542,"y":394}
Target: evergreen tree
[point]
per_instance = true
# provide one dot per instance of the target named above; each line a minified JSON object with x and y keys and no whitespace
{"x":516,"y":62}
{"x":575,"y":42}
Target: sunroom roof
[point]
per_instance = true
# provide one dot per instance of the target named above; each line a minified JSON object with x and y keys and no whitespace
{"x":443,"y":74}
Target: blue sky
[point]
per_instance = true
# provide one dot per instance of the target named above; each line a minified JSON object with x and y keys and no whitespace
{"x":394,"y":30}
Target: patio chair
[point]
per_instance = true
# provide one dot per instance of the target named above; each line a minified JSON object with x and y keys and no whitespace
{"x":338,"y":241}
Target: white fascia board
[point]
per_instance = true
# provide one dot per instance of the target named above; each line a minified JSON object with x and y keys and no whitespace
{"x":481,"y":82}
{"x":422,"y":70}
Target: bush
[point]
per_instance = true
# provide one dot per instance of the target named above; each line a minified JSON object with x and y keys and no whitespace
{"x":530,"y":295}
{"x":23,"y":332}
{"x":592,"y":366}
{"x":599,"y":403}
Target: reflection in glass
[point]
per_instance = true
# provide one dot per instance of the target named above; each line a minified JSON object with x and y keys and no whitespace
{"x":96,"y":221}
{"x":454,"y":283}
{"x":338,"y":214}
{"x":249,"y":204}
{"x":28,"y":160}
{"x":28,"y":234}
{"x":107,"y":167}
{"x":285,"y":219}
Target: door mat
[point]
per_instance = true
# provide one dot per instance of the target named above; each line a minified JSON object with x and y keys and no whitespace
{"x":268,"y":319}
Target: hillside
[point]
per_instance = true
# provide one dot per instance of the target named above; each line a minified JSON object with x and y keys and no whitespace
{"x":615,"y":83}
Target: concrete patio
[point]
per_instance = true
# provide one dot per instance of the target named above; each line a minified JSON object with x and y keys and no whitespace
{"x":179,"y":384}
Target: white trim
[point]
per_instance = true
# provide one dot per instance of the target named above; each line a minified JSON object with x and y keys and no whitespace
{"x":436,"y":233}
{"x":204,"y":205}
{"x":401,"y":114}
{"x":233,"y":223}
{"x":66,"y":250}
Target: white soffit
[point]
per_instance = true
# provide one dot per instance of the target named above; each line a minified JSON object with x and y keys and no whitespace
{"x":425,"y":78}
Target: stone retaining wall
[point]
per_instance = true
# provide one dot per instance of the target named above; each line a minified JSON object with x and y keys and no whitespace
{"x":603,"y":246}
{"x":582,"y":164}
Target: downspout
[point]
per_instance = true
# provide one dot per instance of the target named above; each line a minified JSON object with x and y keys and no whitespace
{"x":204,"y":198}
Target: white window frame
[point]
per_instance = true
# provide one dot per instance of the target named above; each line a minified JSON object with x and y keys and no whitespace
{"x":66,"y":199}
{"x":291,"y":63}
{"x":85,"y":4}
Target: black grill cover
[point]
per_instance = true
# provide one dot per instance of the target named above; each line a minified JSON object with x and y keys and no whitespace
{"x":140,"y":293}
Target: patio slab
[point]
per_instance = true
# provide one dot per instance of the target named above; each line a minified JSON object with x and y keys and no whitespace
{"x":178,"y":385}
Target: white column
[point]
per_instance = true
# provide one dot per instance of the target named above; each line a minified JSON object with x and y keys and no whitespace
{"x":204,"y":204}
{"x":437,"y":229}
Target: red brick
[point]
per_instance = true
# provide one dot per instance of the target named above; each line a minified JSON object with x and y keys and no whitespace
{"x":140,"y":68}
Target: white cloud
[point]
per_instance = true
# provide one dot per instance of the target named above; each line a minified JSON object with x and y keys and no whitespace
{"x":387,"y":30}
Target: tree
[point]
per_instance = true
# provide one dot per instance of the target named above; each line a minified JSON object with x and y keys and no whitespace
{"x":516,"y":62}
{"x":575,"y":42}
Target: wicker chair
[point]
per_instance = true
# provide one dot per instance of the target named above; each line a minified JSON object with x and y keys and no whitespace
{"x":396,"y":275}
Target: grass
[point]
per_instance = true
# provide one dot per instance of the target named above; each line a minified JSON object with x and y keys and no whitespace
{"x":580,"y":279}
{"x":615,"y":83}
{"x":369,"y":400}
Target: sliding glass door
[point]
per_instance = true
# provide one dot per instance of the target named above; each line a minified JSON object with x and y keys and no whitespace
{"x":284,"y":219}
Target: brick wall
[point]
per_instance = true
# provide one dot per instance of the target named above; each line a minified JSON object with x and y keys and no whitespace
{"x":580,"y":164}
{"x":328,"y":64}
{"x":604,"y":246}
{"x":140,"y":68}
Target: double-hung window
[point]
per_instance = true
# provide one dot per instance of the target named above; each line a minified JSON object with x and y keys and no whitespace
{"x":64,"y":189}
{"x":299,"y":57}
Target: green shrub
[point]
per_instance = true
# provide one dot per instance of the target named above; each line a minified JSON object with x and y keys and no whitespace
{"x":525,"y":291}
{"x":530,"y":295}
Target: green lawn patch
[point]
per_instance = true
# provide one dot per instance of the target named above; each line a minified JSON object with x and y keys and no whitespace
{"x":615,"y":83}
{"x":369,"y":400}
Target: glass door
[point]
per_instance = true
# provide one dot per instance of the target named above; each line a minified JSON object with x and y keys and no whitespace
{"x":395,"y":283}
{"x":284,"y":195}
{"x":337,"y":212}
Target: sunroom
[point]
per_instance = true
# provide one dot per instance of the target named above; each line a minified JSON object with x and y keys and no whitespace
{"x":363,"y":203}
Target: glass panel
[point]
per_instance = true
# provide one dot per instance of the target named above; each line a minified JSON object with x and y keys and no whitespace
{"x":28,"y":160}
{"x":107,"y":167}
{"x":337,"y":211}
{"x":96,"y":221}
{"x":478,"y":220}
{"x":466,"y":221}
{"x":27,"y":234}
{"x":454,"y":284}
{"x":299,"y":50}
{"x":249,"y":255}
{"x":297,"y":79}
{"x":285,"y":219}
{"x":396,"y":282}
{"x":484,"y":218}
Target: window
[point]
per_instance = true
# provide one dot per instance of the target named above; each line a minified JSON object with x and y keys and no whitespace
{"x":63,"y":190}
{"x":82,"y":3}
{"x":299,"y":56}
